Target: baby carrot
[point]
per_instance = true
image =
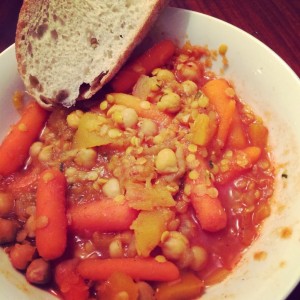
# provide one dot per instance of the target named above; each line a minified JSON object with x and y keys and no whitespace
{"x":103,"y":215}
{"x":236,"y":164}
{"x":69,"y":282}
{"x":51,"y":219}
{"x":209,"y":212}
{"x":237,"y":138}
{"x":153,"y":58}
{"x":219,"y":93}
{"x":225,"y":122}
{"x":188,"y":287}
{"x":137,"y":268}
{"x":15,"y":147}
{"x":258,"y":134}
{"x":208,"y":207}
{"x":25,"y":180}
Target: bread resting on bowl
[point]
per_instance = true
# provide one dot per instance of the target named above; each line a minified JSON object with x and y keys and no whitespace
{"x":68,"y":50}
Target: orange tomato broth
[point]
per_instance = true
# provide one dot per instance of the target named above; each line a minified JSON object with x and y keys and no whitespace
{"x":243,"y":187}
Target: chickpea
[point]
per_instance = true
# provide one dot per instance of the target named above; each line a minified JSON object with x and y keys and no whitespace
{"x":148,"y":128}
{"x":162,"y":74}
{"x":39,"y":271}
{"x":190,"y":71}
{"x":187,"y":226}
{"x":8,"y":231}
{"x":21,"y":255}
{"x":199,"y":258}
{"x":185,"y":259}
{"x":174,"y":244}
{"x":30,"y":226}
{"x":6,"y":204}
{"x":166,"y":161}
{"x":73,"y":118}
{"x":86,"y":158}
{"x":189,"y":87}
{"x":111,"y":188}
{"x":21,"y":235}
{"x":130,"y":117}
{"x":169,"y":102}
{"x":115,"y":249}
{"x":126,"y":236}
{"x":45,"y":154}
{"x":35,"y":149}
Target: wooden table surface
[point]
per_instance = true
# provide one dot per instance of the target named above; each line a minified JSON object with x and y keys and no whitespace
{"x":274,"y":22}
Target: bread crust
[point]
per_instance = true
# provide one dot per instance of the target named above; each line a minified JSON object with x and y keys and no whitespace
{"x":27,"y":11}
{"x":31,"y":10}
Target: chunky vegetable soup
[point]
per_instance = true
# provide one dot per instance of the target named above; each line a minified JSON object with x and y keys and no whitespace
{"x":152,"y":193}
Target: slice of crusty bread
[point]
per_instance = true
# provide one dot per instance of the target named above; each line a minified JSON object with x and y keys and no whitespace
{"x":67,"y":49}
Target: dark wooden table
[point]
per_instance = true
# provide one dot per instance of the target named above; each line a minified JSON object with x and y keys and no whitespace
{"x":275,"y":22}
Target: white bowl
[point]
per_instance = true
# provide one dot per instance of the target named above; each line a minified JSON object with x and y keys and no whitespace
{"x":272,"y":89}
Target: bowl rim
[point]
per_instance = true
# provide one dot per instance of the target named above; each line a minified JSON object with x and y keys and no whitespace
{"x":271,"y":52}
